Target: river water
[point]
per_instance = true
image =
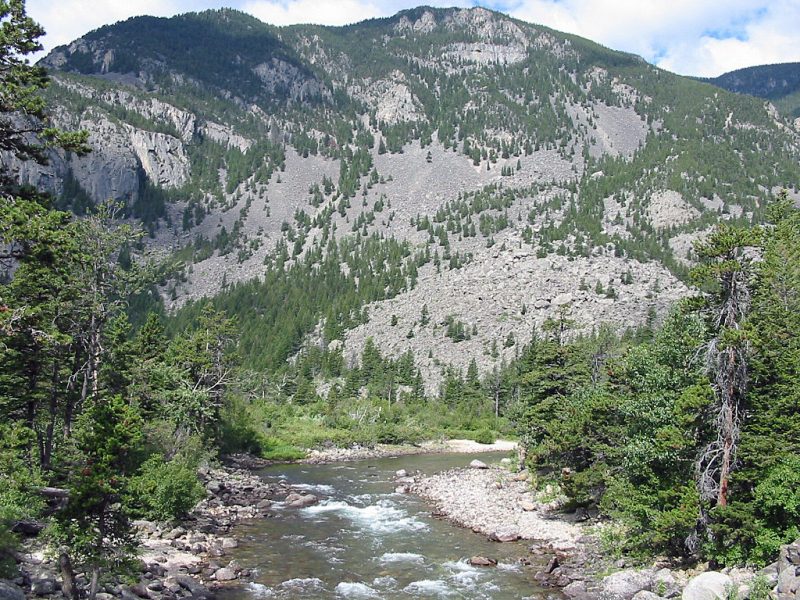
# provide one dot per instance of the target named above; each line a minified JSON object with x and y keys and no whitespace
{"x":363,"y":540}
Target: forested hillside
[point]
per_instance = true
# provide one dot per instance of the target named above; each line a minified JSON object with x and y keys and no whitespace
{"x":779,"y":83}
{"x":492,"y":169}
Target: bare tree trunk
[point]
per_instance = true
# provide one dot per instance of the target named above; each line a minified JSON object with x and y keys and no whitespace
{"x":69,"y":406}
{"x":94,"y":584}
{"x":67,"y":577}
{"x":728,"y":429}
{"x":51,"y":423}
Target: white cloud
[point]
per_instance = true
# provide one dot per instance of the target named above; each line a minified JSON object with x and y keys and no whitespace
{"x":323,"y":12}
{"x":687,"y":36}
{"x":333,"y":12}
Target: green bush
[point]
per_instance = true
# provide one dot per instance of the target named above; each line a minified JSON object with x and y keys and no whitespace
{"x":273,"y":449}
{"x":164,"y":491}
{"x":484,"y":436}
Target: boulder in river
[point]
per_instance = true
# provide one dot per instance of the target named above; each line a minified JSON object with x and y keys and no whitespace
{"x":478,"y":464}
{"x":707,"y":586}
{"x":401,"y":473}
{"x":509,"y":535}
{"x":295,"y":500}
{"x":482,"y":561}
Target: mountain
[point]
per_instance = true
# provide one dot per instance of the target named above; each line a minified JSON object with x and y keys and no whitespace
{"x":779,"y":83}
{"x":442,"y":181}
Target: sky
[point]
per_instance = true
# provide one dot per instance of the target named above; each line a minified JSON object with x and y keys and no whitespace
{"x":691,"y":37}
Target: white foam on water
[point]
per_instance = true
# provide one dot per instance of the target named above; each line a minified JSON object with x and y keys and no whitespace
{"x":303,"y":584}
{"x":467,"y":579}
{"x":363,"y":498}
{"x":314,"y":487}
{"x":429,"y":587}
{"x":508,"y":567}
{"x":385,"y":582}
{"x":461,"y":566}
{"x":464,"y":574}
{"x":395,"y":557}
{"x":259,"y":590}
{"x":293,"y":536}
{"x":350,"y":589}
{"x":382,"y":517}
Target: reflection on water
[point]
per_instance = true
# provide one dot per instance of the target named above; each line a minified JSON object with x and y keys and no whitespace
{"x":363,"y":540}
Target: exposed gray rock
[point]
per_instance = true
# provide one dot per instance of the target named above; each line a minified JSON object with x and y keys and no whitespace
{"x":707,"y":586}
{"x":482,"y":561}
{"x":295,"y":500}
{"x":478,"y":464}
{"x":225,"y":574}
{"x":625,"y":584}
{"x":10,"y":591}
{"x":43,"y":586}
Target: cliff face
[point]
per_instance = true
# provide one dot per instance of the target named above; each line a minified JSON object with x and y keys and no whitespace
{"x":532,"y":171}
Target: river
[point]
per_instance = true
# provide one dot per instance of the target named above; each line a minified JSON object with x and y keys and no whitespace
{"x":363,"y":540}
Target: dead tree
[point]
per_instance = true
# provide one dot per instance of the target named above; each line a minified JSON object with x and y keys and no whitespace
{"x":726,"y":274}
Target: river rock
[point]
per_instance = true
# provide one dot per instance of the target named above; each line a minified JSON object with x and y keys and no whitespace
{"x":646,"y":595}
{"x":405,"y":480}
{"x":10,"y":591}
{"x":527,"y":505}
{"x":509,"y":535}
{"x":576,"y":590}
{"x":402,"y":489}
{"x":482,"y":561}
{"x":295,"y":500}
{"x":43,"y":586}
{"x":230,"y":543}
{"x":478,"y":464}
{"x":174,"y":533}
{"x":401,"y":473}
{"x":707,"y":586}
{"x":625,"y":584}
{"x":225,"y":574}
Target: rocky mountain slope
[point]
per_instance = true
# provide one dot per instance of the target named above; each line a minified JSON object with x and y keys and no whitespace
{"x":520,"y":173}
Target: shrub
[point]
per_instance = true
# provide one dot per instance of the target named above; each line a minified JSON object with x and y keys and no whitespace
{"x":164,"y":491}
{"x":484,"y":436}
{"x":274,"y":449}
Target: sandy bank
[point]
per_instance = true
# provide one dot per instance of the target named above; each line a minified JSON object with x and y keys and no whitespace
{"x":328,"y":455}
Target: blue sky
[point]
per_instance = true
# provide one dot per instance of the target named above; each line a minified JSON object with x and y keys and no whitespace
{"x":691,"y":37}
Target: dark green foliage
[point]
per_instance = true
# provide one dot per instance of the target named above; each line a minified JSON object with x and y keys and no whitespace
{"x":94,"y":526}
{"x":632,"y":438}
{"x":164,"y":491}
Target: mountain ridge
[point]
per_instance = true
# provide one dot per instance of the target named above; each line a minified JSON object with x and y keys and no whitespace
{"x":484,"y":146}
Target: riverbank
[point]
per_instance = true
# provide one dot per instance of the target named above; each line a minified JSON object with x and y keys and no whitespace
{"x":330,"y":455}
{"x":502,"y":505}
{"x":189,"y":559}
{"x":499,"y":504}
